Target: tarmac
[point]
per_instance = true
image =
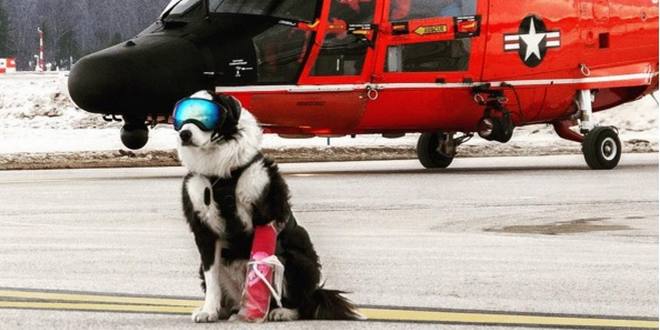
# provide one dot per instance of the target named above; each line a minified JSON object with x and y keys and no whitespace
{"x":490,"y":242}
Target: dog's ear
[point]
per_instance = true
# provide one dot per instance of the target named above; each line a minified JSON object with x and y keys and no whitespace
{"x":231,"y":104}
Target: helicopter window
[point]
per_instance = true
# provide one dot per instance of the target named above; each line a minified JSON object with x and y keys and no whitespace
{"x":300,"y":10}
{"x":353,"y":11}
{"x":343,"y":53}
{"x":281,"y":51}
{"x":403,"y":10}
{"x":445,"y":56}
{"x":169,"y":7}
{"x":180,"y":7}
{"x":340,"y":57}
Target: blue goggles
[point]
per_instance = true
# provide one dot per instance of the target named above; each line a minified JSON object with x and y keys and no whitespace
{"x":206,"y":114}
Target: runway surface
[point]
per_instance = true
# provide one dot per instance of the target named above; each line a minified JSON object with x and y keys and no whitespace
{"x":537,"y":241}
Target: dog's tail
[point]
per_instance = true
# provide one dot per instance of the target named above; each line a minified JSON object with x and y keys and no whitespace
{"x":332,"y":305}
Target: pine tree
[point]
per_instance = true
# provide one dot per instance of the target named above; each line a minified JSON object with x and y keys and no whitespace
{"x":67,"y":48}
{"x":6,"y":40}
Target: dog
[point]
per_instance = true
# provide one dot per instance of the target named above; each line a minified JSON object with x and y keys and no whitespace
{"x":232,"y":187}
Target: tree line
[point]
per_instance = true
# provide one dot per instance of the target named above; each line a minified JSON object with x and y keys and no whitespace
{"x":72,"y":28}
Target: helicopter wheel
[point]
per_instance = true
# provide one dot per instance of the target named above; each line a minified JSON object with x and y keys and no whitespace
{"x":134,"y":135}
{"x":430,"y":149}
{"x":602,"y":148}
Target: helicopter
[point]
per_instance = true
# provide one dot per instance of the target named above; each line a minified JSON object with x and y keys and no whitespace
{"x":448,"y":69}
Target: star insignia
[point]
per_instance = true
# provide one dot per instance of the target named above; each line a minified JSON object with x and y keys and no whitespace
{"x":532,"y":41}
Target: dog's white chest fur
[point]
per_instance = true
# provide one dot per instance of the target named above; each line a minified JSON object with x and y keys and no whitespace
{"x":198,"y":186}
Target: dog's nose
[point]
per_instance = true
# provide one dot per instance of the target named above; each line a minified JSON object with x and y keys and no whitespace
{"x":185,"y":136}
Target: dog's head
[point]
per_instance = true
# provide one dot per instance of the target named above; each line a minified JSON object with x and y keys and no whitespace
{"x":216,"y":135}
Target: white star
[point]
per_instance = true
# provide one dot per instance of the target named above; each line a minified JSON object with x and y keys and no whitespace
{"x":533,"y":41}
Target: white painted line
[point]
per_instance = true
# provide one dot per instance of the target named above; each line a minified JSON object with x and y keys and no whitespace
{"x":352,"y":87}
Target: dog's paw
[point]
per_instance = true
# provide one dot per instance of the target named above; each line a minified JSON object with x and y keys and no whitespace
{"x":283,"y":314}
{"x":204,"y":316}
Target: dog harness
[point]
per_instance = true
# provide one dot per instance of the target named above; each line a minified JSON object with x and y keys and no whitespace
{"x":223,"y":192}
{"x":224,"y":189}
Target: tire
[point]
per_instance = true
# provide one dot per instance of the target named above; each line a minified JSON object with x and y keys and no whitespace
{"x":602,"y":148}
{"x":427,"y":152}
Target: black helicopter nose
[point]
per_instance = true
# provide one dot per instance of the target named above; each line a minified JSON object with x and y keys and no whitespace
{"x":185,"y":136}
{"x":146,"y":75}
{"x":95,"y":84}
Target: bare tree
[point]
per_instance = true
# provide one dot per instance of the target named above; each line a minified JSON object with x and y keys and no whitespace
{"x":73,"y":28}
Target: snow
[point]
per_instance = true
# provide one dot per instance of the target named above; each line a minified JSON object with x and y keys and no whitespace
{"x":36,"y":116}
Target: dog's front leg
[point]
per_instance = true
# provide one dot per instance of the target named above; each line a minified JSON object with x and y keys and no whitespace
{"x":209,"y":249}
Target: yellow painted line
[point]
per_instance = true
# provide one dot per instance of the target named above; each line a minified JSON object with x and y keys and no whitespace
{"x":69,"y":297}
{"x":501,"y":319}
{"x":119,"y":304}
{"x":96,"y":307}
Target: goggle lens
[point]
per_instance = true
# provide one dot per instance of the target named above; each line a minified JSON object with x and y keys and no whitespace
{"x":201,"y":112}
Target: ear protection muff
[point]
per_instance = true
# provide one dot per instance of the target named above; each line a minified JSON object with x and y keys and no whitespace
{"x":233,"y":108}
{"x":232,"y":105}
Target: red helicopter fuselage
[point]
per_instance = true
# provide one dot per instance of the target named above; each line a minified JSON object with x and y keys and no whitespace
{"x":607,"y":46}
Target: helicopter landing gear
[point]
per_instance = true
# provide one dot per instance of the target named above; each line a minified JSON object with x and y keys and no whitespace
{"x":601,"y":146}
{"x":134,"y":133}
{"x":437,"y":150}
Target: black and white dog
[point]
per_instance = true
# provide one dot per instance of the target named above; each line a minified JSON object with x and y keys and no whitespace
{"x":231,"y":188}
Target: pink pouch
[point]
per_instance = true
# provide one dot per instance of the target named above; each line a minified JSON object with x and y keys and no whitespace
{"x":264,"y":277}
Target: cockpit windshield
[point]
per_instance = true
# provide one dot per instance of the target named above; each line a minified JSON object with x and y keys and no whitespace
{"x":179,"y":7}
{"x":299,"y":10}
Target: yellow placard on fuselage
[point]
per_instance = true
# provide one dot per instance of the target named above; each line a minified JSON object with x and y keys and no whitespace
{"x":431,"y":29}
